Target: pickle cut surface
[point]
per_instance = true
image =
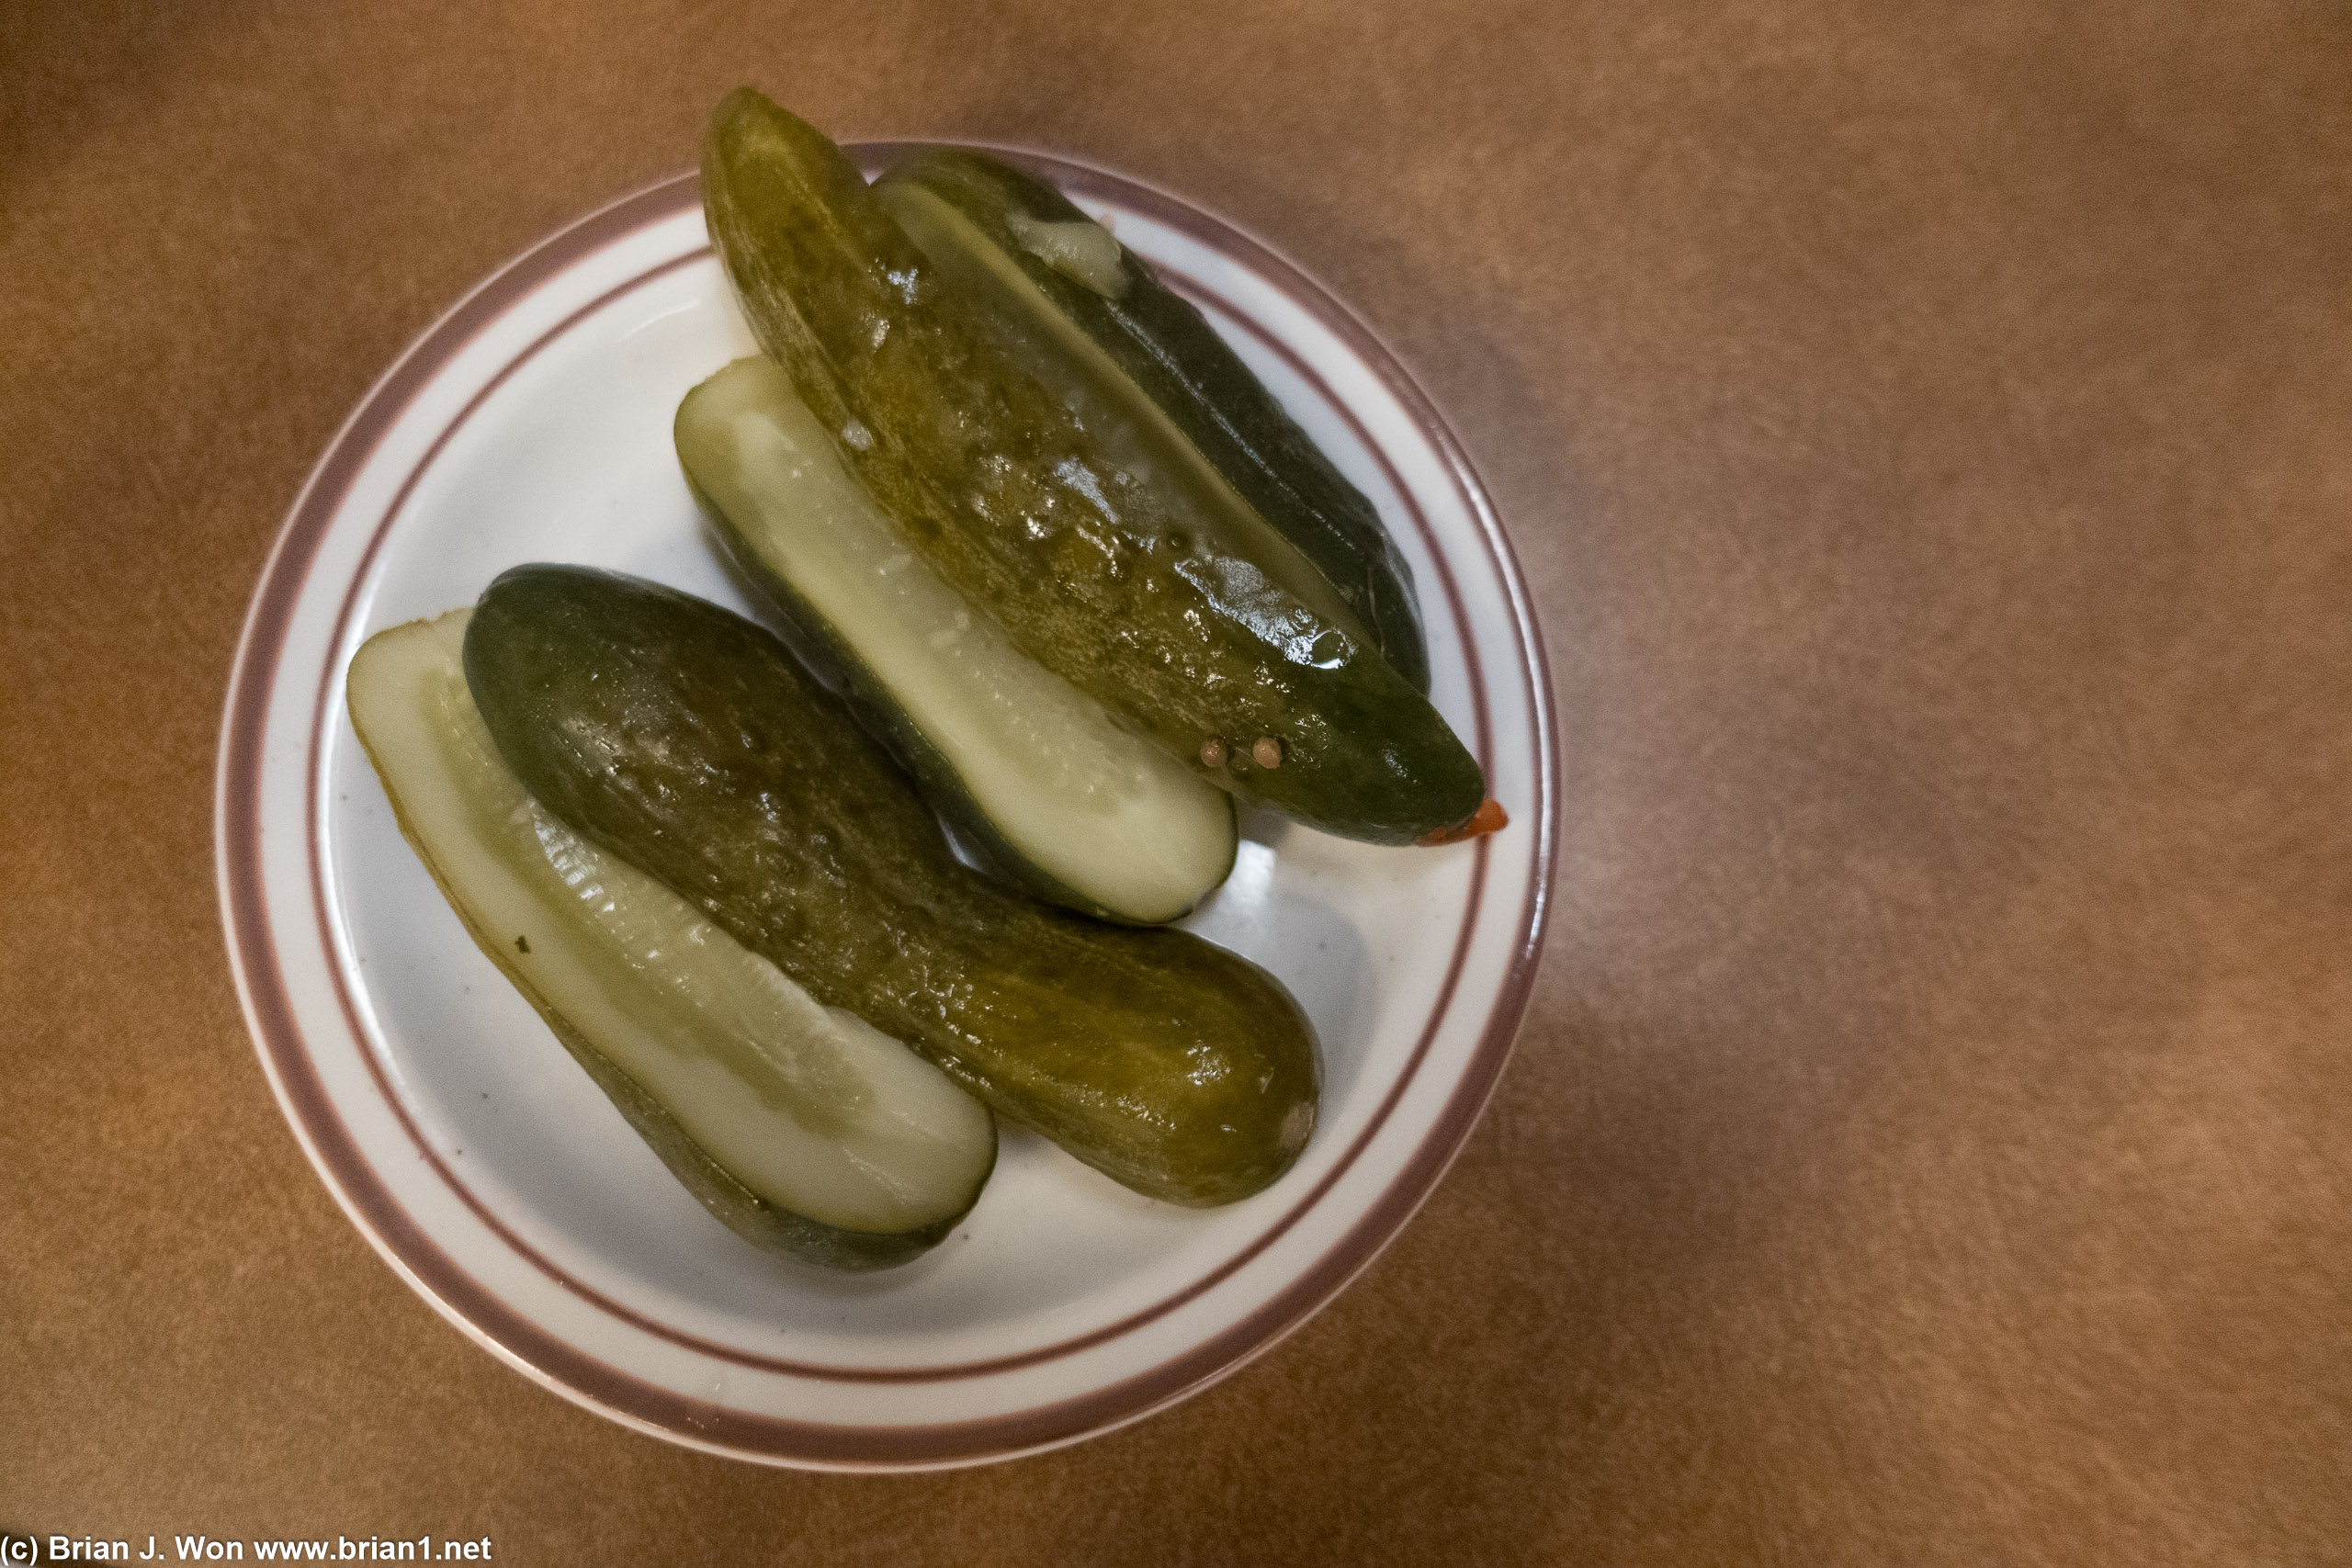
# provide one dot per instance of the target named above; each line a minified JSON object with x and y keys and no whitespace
{"x":691,"y":742}
{"x":800,"y":1126}
{"x":1077,"y":809}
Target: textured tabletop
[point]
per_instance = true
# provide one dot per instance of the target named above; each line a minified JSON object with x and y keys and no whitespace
{"x":1925,"y":431}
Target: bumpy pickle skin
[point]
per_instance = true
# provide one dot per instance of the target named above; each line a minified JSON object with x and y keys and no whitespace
{"x":1194,"y":636}
{"x":1131,"y":331}
{"x":690,"y":742}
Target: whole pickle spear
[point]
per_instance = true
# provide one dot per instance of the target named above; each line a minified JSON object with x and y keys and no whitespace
{"x":799,"y":1127}
{"x":1083,"y":303}
{"x":690,"y":742}
{"x":1226,"y":647}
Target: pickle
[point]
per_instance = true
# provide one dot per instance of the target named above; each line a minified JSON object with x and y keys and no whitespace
{"x":1205,"y":630}
{"x":801,"y":1128}
{"x":690,"y":742}
{"x":1031,"y":770}
{"x":1089,"y":318}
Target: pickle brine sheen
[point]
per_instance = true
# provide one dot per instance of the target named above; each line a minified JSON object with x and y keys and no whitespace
{"x":1218,"y":638}
{"x":1091,"y":319}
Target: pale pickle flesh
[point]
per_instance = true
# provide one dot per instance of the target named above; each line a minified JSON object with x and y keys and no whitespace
{"x":808,"y":1107}
{"x":1104,"y":812}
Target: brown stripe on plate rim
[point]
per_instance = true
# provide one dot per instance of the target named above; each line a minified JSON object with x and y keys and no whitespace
{"x":237,"y":827}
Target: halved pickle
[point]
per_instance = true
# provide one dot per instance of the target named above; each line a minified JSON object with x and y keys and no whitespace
{"x":1033,"y":771}
{"x":1196,"y":630}
{"x":802,"y":1127}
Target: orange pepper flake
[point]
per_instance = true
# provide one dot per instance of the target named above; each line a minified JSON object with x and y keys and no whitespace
{"x":1491,"y":817}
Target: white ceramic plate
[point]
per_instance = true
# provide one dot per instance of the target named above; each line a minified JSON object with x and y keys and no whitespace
{"x":533,"y":424}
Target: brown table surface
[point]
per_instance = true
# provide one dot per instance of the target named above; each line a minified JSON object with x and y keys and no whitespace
{"x":1927,"y":431}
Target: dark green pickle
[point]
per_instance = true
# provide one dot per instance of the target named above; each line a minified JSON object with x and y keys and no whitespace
{"x":1164,"y":346}
{"x":1209,"y":643}
{"x":688,"y":742}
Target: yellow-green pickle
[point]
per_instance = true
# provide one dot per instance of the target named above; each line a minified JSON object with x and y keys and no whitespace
{"x":1102,"y":551}
{"x":690,"y":743}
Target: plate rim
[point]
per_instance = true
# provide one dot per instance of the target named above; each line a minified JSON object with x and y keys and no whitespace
{"x":542,"y":1352}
